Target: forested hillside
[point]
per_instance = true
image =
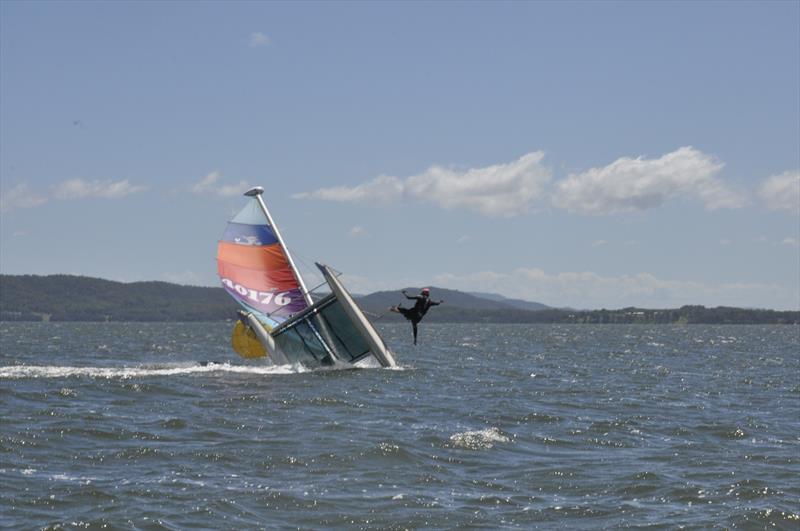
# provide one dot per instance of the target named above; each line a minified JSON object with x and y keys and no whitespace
{"x":75,"y":298}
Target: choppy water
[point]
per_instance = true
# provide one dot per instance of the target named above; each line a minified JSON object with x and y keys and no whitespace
{"x":484,"y":426}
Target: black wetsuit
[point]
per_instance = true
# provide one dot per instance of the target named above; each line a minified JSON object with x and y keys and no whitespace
{"x":416,"y":313}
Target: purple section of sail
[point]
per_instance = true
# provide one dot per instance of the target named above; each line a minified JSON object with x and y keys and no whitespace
{"x":244,"y":234}
{"x":277,"y":305}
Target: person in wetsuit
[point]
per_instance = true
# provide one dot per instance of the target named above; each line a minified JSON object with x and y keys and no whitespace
{"x":421,"y":307}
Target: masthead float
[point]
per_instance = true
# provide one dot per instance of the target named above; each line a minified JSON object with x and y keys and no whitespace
{"x":279,"y":317}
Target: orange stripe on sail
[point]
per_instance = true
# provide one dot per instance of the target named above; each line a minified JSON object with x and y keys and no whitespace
{"x":281,"y":279}
{"x":268,"y":257}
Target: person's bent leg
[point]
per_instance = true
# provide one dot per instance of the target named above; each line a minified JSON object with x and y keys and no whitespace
{"x":408,"y":313}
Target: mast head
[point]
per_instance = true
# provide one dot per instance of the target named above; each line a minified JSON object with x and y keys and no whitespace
{"x":252,"y":192}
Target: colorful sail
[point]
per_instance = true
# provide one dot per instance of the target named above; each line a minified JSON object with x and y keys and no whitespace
{"x":254,"y":269}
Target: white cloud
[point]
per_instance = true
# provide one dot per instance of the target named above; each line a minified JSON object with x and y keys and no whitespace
{"x":791,"y":242}
{"x":782,"y":192}
{"x":589,"y":290}
{"x":599,"y":243}
{"x":382,"y":189}
{"x":464,"y":239}
{"x":20,"y":197}
{"x":259,"y":39}
{"x":210,"y":185}
{"x":500,"y":190}
{"x":206,"y":184}
{"x":639,"y":184}
{"x":79,"y":189}
{"x":357,"y":231}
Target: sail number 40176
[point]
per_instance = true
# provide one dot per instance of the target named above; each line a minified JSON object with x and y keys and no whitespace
{"x":263,"y":297}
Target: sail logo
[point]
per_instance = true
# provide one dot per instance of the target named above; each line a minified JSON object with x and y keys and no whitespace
{"x":259,"y":297}
{"x":248,"y":240}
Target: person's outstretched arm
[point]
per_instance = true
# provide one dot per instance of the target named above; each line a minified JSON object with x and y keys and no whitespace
{"x":410,"y":297}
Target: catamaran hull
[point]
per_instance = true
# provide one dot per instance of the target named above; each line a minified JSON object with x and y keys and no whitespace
{"x":359,"y":320}
{"x":266,"y":341}
{"x":333,"y":331}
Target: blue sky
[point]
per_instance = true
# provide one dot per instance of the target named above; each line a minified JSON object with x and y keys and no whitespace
{"x":583,"y":154}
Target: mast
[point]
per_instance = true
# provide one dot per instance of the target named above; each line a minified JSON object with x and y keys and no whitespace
{"x":256,"y":192}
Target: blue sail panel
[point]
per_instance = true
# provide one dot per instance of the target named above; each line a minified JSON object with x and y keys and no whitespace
{"x":245,"y":234}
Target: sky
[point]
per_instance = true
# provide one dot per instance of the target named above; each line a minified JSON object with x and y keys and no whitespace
{"x":582,"y":154}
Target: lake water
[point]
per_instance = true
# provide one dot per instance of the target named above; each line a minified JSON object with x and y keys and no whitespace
{"x":483,"y":426}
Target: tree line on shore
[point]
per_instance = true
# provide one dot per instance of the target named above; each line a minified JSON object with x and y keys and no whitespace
{"x":75,"y":298}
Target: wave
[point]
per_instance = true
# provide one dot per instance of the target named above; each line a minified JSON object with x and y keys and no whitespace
{"x":479,"y":439}
{"x":52,"y":371}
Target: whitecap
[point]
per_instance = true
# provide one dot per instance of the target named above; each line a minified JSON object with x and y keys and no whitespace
{"x":52,"y":371}
{"x":71,"y":479}
{"x":479,"y":439}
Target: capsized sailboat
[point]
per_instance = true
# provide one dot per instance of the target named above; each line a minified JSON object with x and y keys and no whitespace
{"x":280,"y":319}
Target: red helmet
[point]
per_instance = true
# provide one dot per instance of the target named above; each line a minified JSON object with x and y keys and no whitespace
{"x":425,"y":290}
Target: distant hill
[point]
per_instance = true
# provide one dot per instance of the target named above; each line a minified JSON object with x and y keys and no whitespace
{"x":458,"y":306}
{"x":380,"y":300}
{"x":76,"y":298}
{"x":514,"y":303}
